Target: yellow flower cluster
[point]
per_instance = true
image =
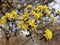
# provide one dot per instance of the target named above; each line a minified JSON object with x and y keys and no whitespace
{"x":24,"y":25}
{"x":36,"y":14}
{"x":37,"y":11}
{"x":9,"y":16}
{"x":43,"y":8}
{"x":28,"y":18}
{"x":48,"y":34}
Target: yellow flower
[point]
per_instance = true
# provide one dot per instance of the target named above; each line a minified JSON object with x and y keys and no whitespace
{"x":48,"y":34}
{"x":47,"y":12}
{"x":22,"y":25}
{"x":29,"y":6}
{"x":3,"y":17}
{"x":33,"y":13}
{"x":24,"y":17}
{"x":3,"y":20}
{"x":8,"y":15}
{"x":37,"y":9}
{"x":38,"y":15}
{"x":14,"y":15}
{"x":34,"y":27}
{"x":53,"y":19}
{"x":41,"y":7}
{"x":44,"y":8}
{"x":31,"y":22}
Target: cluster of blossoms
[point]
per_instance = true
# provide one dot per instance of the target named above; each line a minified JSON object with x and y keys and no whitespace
{"x":28,"y":20}
{"x":8,"y":16}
